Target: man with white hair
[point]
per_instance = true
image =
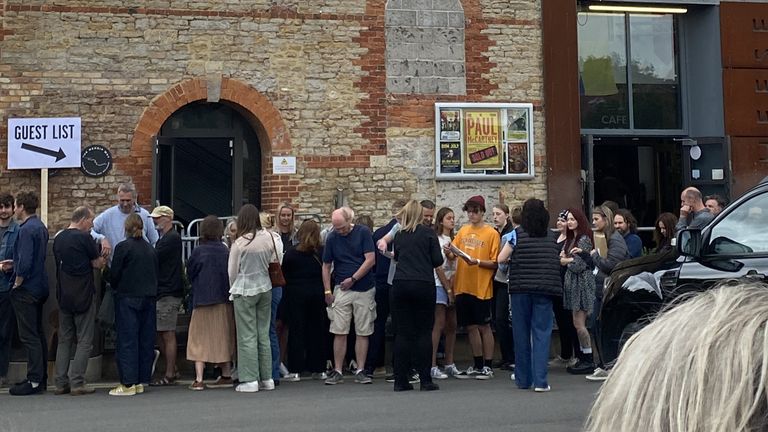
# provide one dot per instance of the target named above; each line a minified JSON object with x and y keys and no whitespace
{"x":108,"y":227}
{"x":349,"y":249}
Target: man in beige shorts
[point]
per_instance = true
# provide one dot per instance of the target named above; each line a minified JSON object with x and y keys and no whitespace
{"x":350,"y":250}
{"x":170,"y":290}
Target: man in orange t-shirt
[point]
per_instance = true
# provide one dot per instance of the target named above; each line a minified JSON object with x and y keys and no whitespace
{"x":473,"y":285}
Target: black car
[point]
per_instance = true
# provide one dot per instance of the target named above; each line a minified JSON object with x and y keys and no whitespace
{"x":734,"y":246}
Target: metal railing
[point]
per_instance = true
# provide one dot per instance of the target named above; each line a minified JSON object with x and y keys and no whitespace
{"x":190,"y":237}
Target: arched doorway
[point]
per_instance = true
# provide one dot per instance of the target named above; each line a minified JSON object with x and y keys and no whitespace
{"x":207,"y":160}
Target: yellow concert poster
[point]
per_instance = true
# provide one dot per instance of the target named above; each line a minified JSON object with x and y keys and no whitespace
{"x":482,"y":139}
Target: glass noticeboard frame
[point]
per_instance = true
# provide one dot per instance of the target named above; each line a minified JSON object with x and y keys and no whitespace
{"x":484,"y":141}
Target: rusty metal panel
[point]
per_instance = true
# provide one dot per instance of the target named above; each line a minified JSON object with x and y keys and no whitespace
{"x":749,"y":157}
{"x":561,"y":102}
{"x":744,"y":30}
{"x":745,"y":99}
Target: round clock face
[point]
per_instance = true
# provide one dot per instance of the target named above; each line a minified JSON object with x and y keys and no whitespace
{"x":96,"y":161}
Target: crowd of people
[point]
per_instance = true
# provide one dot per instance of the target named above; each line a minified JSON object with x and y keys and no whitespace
{"x":274,"y":298}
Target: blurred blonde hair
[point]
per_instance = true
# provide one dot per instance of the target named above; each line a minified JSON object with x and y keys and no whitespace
{"x":267,"y":220}
{"x":700,"y":366}
{"x":410,"y":216}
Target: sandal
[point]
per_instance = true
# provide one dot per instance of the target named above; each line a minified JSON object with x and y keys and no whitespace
{"x":165,"y":381}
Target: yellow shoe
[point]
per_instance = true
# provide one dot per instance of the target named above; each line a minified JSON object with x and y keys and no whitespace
{"x":122,"y":390}
{"x":139,"y":388}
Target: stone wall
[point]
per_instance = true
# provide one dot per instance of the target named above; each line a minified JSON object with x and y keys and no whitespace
{"x":319,"y":67}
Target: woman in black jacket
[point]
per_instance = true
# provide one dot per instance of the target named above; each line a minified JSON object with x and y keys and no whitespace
{"x":134,"y":280}
{"x":417,"y":252}
{"x":305,"y":307}
{"x":534,"y":265}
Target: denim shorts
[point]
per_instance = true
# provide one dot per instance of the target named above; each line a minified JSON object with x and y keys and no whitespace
{"x":441,"y":296}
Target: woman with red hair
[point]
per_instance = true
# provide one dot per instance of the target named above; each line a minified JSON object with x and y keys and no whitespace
{"x":579,"y":283}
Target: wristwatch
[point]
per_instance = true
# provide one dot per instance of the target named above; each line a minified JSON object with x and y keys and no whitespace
{"x":354,"y":279}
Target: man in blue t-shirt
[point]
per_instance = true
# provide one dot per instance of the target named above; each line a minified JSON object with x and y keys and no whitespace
{"x":349,"y":248}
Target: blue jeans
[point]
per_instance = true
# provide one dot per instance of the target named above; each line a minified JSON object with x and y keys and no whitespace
{"x":277,"y":295}
{"x":532,"y":327}
{"x":135,"y":321}
{"x":7,"y":327}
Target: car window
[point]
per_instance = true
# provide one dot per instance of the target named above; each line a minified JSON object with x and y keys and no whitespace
{"x":743,"y":230}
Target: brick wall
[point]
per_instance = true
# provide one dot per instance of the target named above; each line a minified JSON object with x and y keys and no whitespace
{"x":310,"y":76}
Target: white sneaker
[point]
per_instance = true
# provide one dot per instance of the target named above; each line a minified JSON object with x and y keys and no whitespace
{"x":452,"y":371}
{"x":437,"y":373}
{"x":319,"y":376}
{"x":283,"y":370}
{"x":485,"y":373}
{"x":512,"y":377}
{"x":291,"y":377}
{"x":249,"y":387}
{"x":267,"y":384}
{"x":542,"y":389}
{"x":599,"y":374}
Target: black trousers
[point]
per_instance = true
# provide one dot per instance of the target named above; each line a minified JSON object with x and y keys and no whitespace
{"x":377,"y":341}
{"x":502,"y":324}
{"x":307,"y":339}
{"x":413,"y":315}
{"x":29,"y":320}
{"x":569,"y":343}
{"x":7,"y":328}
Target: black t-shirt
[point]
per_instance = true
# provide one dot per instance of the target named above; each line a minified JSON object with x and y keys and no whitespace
{"x":169,"y":282}
{"x":74,"y":250}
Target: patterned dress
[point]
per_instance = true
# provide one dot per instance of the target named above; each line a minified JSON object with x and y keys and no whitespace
{"x":579,"y":284}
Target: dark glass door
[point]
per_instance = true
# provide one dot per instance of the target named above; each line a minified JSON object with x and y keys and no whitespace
{"x":194,"y":176}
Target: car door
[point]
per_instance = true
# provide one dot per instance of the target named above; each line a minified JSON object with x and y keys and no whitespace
{"x":734,"y":246}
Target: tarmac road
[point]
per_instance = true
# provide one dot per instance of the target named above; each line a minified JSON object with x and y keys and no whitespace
{"x":460,"y":405}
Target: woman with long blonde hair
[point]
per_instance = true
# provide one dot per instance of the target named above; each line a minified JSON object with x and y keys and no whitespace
{"x":417,"y":251}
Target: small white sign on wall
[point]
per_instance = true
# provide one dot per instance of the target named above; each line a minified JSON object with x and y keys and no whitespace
{"x":283,"y":164}
{"x":36,"y":143}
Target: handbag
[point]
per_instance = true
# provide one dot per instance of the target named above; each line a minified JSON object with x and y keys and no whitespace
{"x":106,"y":314}
{"x":275,"y":271}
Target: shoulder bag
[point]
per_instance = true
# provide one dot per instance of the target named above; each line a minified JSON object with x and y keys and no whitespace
{"x":275,"y":271}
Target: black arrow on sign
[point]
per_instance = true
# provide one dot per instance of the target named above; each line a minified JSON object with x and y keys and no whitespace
{"x":59,"y":155}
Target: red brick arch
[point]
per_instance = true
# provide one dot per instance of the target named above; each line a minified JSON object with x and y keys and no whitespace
{"x":256,"y":108}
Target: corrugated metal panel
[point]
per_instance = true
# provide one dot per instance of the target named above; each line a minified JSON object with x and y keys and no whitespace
{"x":744,"y":29}
{"x":749,"y":157}
{"x":746,"y":102}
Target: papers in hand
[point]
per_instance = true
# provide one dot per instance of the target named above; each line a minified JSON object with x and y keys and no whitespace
{"x":458,"y":252}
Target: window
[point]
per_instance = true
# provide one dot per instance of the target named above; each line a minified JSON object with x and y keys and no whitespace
{"x":628,"y":71}
{"x":743,"y":230}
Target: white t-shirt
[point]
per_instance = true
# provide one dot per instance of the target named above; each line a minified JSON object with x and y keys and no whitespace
{"x":449,"y":266}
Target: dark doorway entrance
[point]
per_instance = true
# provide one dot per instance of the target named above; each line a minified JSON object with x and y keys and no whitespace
{"x":644,"y":175}
{"x":195,"y":176}
{"x":207,"y":161}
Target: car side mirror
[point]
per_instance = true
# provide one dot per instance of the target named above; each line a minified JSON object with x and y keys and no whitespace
{"x":689,"y":242}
